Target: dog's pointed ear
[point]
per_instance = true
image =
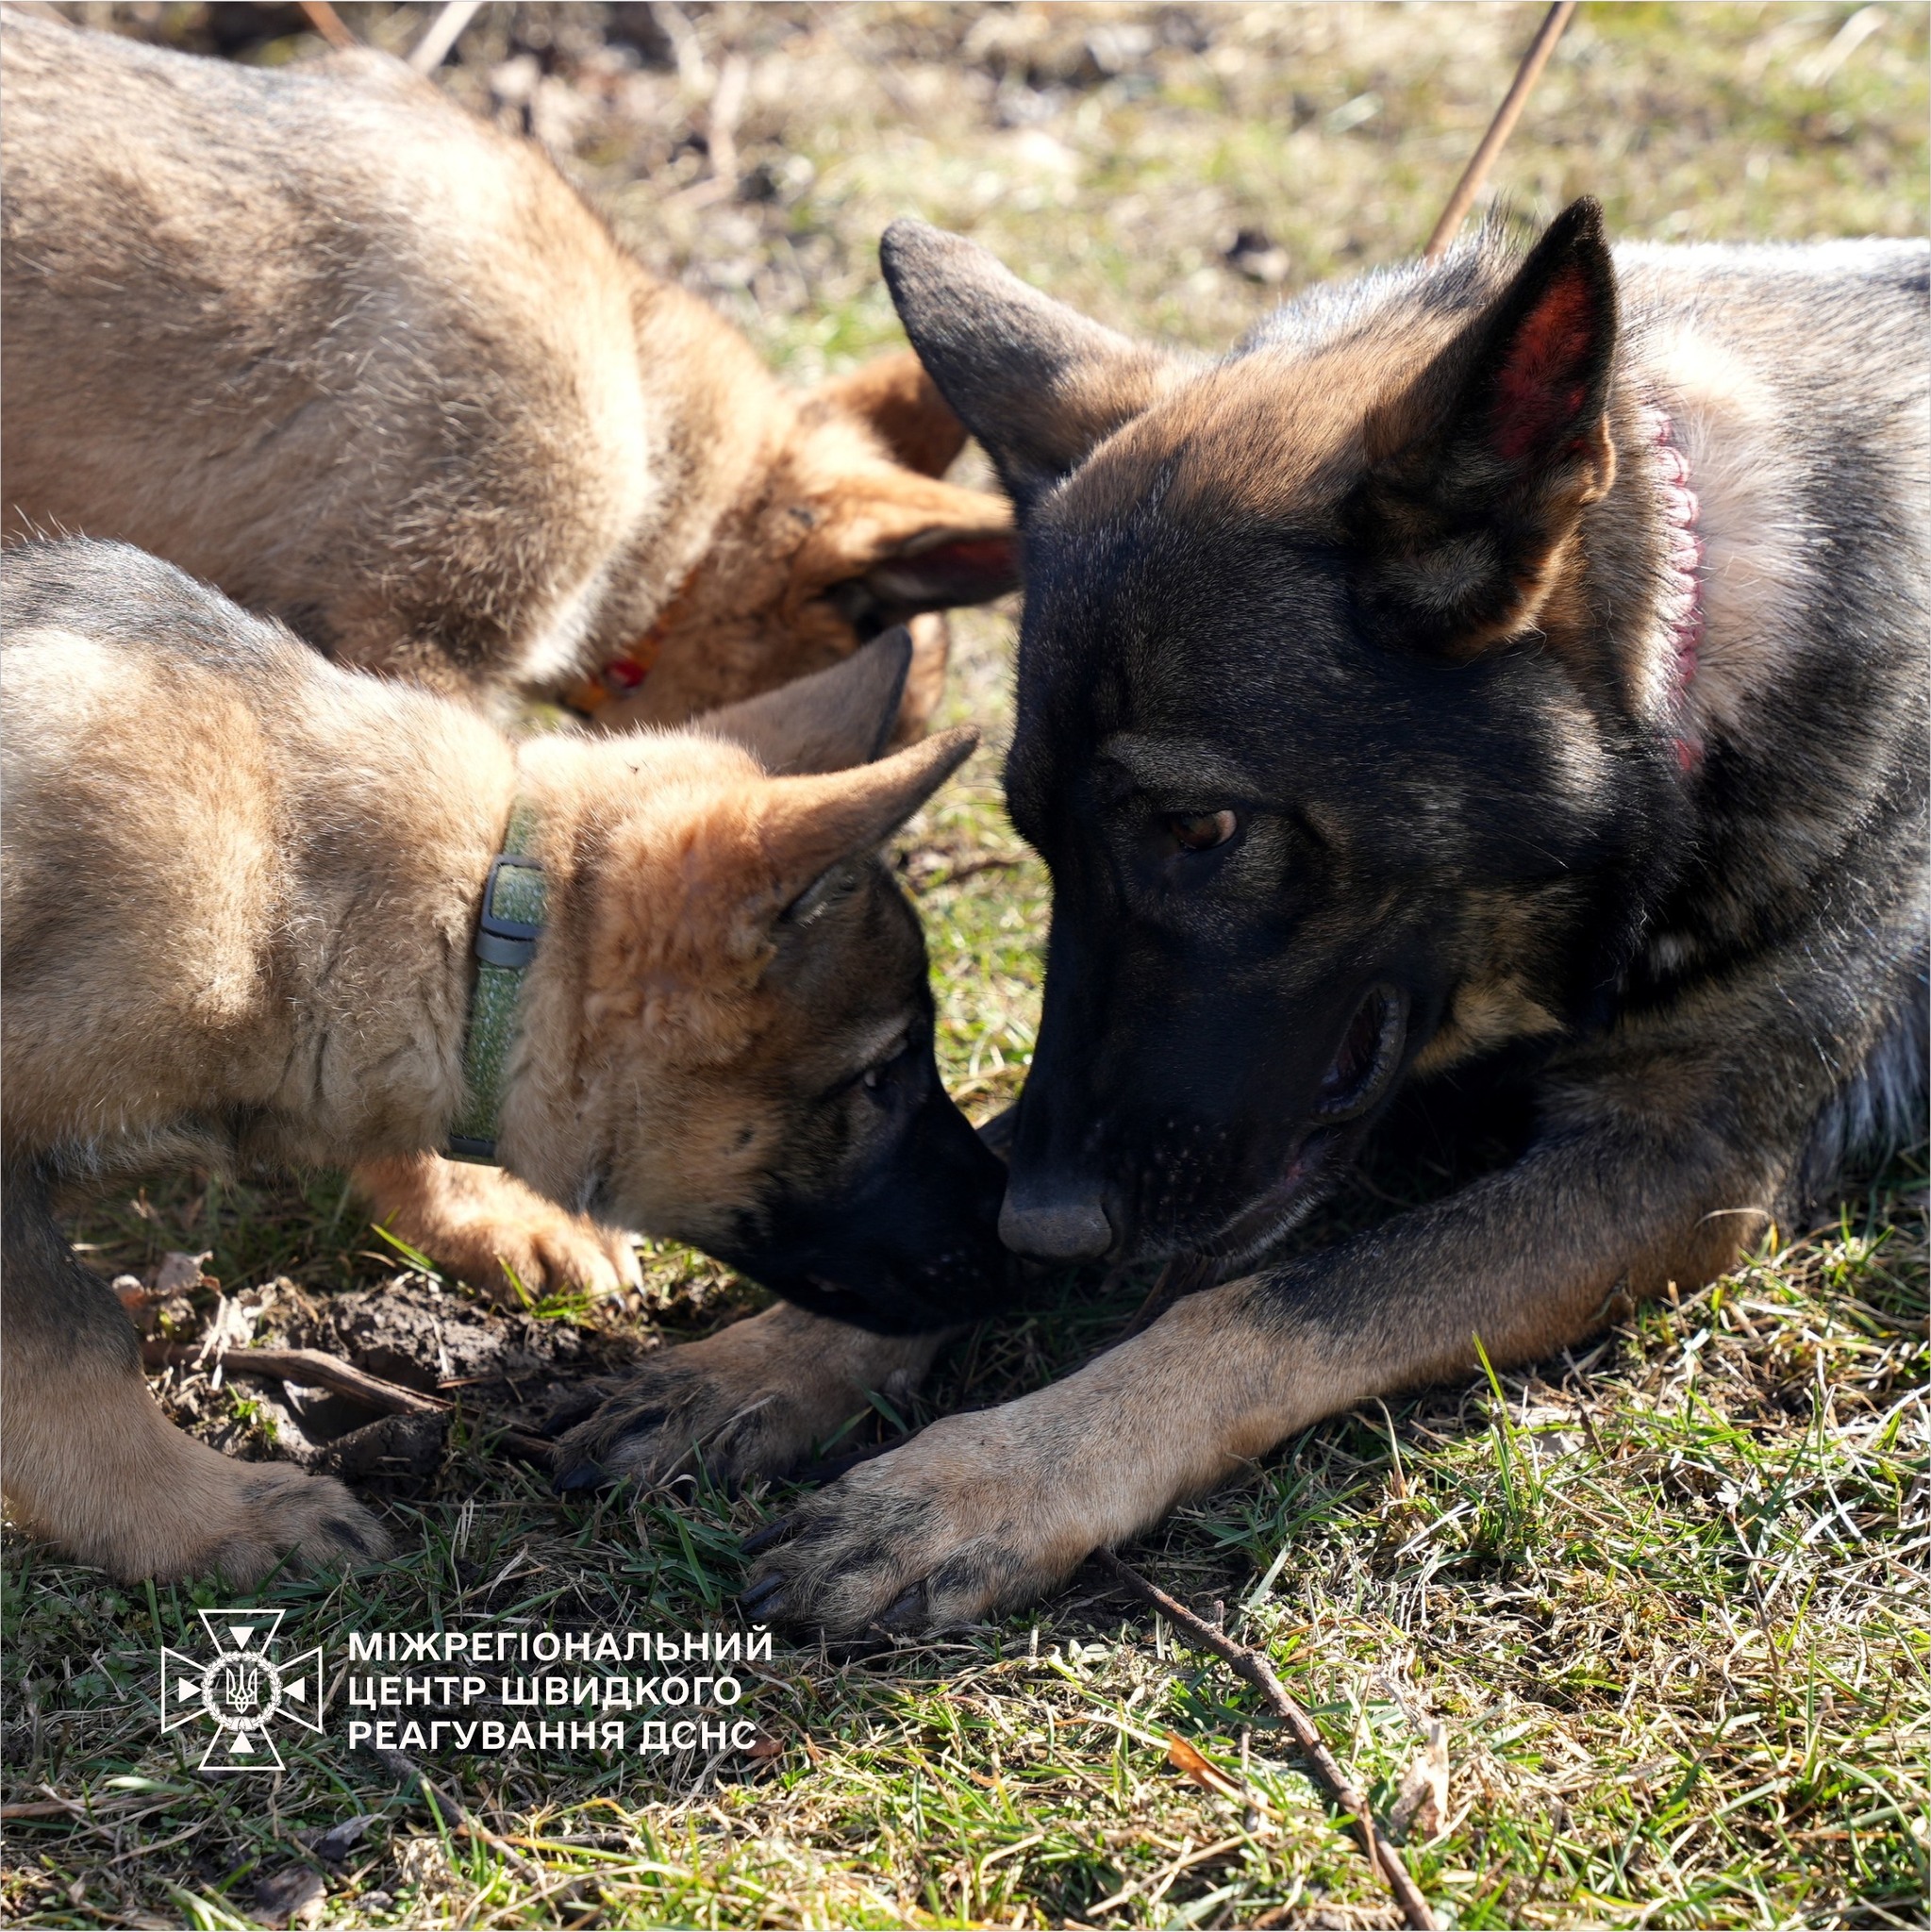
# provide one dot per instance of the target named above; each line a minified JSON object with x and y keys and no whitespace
{"x":1479,"y":473}
{"x":1035,"y":381}
{"x":901,"y":405}
{"x":808,"y":826}
{"x":829,"y":721}
{"x":889,"y":544}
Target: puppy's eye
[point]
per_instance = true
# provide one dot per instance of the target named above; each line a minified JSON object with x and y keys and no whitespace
{"x":1201,"y":831}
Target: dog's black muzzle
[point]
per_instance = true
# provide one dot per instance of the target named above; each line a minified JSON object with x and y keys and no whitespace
{"x":912,"y":1247}
{"x":1209,"y":1132}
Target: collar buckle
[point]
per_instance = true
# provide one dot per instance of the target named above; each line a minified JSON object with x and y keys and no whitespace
{"x":502,"y":941}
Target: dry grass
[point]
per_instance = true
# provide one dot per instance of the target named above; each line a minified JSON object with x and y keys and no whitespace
{"x":1667,"y":1597}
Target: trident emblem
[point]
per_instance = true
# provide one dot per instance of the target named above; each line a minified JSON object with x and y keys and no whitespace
{"x":243,"y":1690}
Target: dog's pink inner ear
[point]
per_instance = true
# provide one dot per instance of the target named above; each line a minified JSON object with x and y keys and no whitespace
{"x":1543,"y":383}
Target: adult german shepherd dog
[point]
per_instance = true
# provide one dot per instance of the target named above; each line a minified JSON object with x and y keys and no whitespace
{"x":1510,"y":660}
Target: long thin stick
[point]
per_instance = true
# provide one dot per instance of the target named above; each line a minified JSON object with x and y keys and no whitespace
{"x":315,"y":1370}
{"x":455,"y":1812}
{"x":329,"y":23}
{"x":443,"y":32}
{"x":1505,"y":116}
{"x":309,"y":1366}
{"x":1382,"y":1856}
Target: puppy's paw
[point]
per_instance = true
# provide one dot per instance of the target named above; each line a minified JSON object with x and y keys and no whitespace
{"x":487,"y":1229}
{"x":314,"y":1520}
{"x":968,"y":1519}
{"x":546,"y":1251}
{"x":245,"y":1518}
{"x":750,"y":1401}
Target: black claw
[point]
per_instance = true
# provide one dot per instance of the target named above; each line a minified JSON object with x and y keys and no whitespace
{"x":346,"y":1532}
{"x":585,"y":1475}
{"x":761,"y":1596}
{"x":771,"y":1533}
{"x":907,"y":1609}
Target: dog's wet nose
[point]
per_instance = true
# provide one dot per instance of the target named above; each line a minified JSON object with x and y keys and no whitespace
{"x":1054,"y":1230}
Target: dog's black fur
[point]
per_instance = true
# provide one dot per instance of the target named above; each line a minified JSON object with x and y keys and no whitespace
{"x":1401,"y":765}
{"x":1368,"y":725}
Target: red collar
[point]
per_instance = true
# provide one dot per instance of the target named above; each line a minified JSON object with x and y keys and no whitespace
{"x":1682,"y":600}
{"x":623,"y":676}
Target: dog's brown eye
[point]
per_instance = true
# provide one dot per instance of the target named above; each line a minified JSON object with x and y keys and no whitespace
{"x":1201,"y":831}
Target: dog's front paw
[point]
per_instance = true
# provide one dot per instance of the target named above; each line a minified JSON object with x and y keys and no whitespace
{"x":541,"y":1250}
{"x":311,"y":1522}
{"x":967,"y":1520}
{"x":487,"y":1229}
{"x":750,"y":1401}
{"x":672,"y":1413}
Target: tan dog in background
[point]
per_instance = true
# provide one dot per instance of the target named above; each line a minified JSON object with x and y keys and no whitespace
{"x":240,"y":891}
{"x":329,"y":342}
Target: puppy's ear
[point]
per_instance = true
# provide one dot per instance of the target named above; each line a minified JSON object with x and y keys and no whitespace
{"x":1035,"y":381}
{"x":889,"y":544}
{"x":810,"y":824}
{"x":1479,"y":473}
{"x":901,"y":405}
{"x":827,"y":721}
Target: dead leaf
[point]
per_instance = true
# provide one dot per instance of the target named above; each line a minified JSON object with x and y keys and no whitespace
{"x":337,"y":1841}
{"x":1424,"y":1800}
{"x":1184,"y":1757}
{"x":292,"y":1896}
{"x":179,"y":1274}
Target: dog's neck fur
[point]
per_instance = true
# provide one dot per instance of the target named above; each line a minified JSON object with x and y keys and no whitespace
{"x":1681,"y":603}
{"x":710,"y":462}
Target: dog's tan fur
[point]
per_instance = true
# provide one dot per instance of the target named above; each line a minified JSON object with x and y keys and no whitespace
{"x":327,"y":342}
{"x":239,"y":893}
{"x":751,"y":1400}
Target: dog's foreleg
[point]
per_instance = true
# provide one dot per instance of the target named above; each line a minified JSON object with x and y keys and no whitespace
{"x":987,"y":1510}
{"x":89,"y":1461}
{"x":486,"y":1227}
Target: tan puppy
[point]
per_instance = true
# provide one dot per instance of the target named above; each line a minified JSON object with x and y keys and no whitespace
{"x":240,"y":896}
{"x":329,"y":342}
{"x":325,"y":340}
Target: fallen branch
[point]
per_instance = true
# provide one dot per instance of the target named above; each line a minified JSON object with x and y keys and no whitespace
{"x":313,"y":1370}
{"x":1250,"y":1664}
{"x":1500,"y":128}
{"x":65,"y":1808}
{"x":307,"y":1366}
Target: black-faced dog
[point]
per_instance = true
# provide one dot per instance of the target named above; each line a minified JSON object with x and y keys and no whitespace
{"x":1507,"y":659}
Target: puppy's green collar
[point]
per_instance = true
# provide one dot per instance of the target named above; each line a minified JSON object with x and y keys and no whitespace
{"x":515,"y":899}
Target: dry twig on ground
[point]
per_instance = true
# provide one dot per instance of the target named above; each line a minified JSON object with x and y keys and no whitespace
{"x":1259,"y":1673}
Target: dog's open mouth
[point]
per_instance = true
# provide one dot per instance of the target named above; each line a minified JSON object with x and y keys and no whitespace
{"x":1358,"y":1077}
{"x":1366,"y":1060}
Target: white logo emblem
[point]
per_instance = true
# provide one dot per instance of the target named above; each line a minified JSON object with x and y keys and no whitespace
{"x":243,"y":1690}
